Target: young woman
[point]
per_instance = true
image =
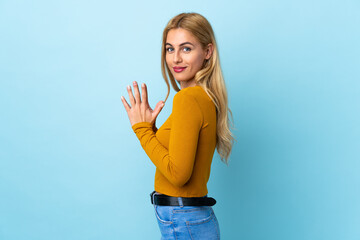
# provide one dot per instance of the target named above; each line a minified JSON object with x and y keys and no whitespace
{"x":182,"y":148}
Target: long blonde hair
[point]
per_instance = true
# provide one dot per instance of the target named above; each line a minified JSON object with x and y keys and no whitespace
{"x":210,"y":77}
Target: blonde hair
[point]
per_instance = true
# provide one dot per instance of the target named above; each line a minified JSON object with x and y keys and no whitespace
{"x":210,"y":77}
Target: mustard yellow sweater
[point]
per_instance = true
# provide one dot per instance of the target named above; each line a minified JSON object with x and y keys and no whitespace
{"x":183,"y":147}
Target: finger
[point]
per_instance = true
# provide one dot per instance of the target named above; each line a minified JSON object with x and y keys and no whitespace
{"x":126,"y":105}
{"x":159,"y":106}
{"x":144,"y":95}
{"x":136,"y":92}
{"x":131,"y":96}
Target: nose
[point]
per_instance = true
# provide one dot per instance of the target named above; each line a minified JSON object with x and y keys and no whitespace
{"x":177,"y":57}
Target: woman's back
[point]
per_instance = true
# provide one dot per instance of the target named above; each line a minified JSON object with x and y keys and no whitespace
{"x":183,"y":147}
{"x":201,"y":110}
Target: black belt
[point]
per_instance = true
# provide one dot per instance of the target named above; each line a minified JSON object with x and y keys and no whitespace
{"x":165,"y":200}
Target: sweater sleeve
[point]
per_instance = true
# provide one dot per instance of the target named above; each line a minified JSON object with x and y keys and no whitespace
{"x":175,"y":163}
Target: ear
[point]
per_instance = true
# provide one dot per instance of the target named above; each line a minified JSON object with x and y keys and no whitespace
{"x":209,"y":50}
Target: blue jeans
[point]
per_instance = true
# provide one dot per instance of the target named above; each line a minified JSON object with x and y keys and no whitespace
{"x":187,"y":222}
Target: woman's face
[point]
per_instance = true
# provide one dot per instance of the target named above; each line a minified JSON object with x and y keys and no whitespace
{"x":185,"y":56}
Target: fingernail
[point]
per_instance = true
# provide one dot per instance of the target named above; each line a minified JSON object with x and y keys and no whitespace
{"x":134,"y":83}
{"x":128,"y":87}
{"x":143,"y":85}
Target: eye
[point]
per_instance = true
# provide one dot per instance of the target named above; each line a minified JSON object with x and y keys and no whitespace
{"x":169,"y":49}
{"x":187,"y":49}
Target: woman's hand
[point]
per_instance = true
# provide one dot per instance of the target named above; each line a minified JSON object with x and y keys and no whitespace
{"x":140,"y":111}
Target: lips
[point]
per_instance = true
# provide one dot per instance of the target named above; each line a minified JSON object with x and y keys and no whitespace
{"x":179,"y":69}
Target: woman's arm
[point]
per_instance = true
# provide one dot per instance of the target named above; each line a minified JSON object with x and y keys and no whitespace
{"x":175,"y":163}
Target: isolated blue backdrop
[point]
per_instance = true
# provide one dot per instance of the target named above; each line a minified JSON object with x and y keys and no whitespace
{"x":71,"y":167}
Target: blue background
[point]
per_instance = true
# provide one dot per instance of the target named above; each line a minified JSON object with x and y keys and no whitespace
{"x":71,"y":167}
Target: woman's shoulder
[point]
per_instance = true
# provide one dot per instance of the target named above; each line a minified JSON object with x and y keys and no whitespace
{"x":194,"y":93}
{"x":185,"y":96}
{"x":195,"y":98}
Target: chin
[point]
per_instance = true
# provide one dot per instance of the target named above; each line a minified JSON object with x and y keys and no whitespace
{"x":182,"y":79}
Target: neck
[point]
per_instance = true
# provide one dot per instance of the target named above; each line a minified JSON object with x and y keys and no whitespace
{"x":185,"y":84}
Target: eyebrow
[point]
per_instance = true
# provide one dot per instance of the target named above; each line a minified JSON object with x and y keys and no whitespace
{"x":181,"y":44}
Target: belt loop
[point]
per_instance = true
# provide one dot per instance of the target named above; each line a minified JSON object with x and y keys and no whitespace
{"x":180,"y":202}
{"x":152,"y":197}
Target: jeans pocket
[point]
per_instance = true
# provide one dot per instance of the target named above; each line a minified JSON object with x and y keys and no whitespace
{"x":164,"y":219}
{"x":204,"y":225}
{"x":163,"y":214}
